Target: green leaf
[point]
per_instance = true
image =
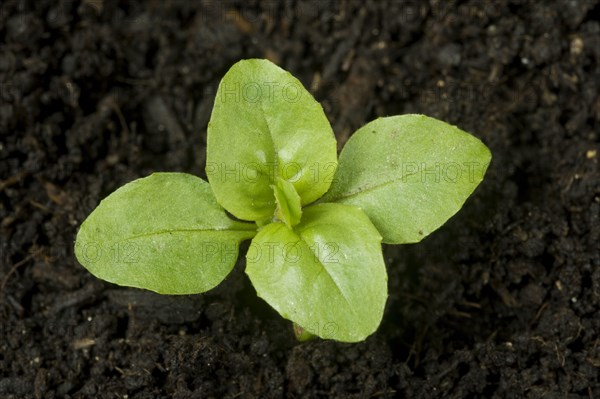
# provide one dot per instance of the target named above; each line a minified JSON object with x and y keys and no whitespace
{"x":287,"y":199}
{"x":409,"y":173}
{"x":165,"y":233}
{"x":266,"y":125}
{"x":327,"y":274}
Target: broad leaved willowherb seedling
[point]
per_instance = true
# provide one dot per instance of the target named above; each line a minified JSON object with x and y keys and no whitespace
{"x":316,"y":222}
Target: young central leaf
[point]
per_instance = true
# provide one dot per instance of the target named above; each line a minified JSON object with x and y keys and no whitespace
{"x":266,"y":125}
{"x":165,"y":233}
{"x":288,"y":209}
{"x":327,"y":275}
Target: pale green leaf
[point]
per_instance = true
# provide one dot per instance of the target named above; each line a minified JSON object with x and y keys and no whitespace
{"x":265,"y":125}
{"x":409,"y":173}
{"x":165,"y":233}
{"x":327,"y":274}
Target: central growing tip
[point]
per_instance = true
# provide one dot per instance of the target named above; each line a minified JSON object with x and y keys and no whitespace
{"x":288,"y":207}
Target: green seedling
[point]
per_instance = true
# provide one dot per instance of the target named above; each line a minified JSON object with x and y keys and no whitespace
{"x":316,"y":222}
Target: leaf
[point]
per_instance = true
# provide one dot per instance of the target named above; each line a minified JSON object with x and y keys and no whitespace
{"x":287,"y":199}
{"x":327,"y":274}
{"x":265,"y":125}
{"x":165,"y":233}
{"x":409,"y":173}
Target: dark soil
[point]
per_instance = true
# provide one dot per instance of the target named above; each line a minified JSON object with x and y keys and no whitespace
{"x":503,"y":301}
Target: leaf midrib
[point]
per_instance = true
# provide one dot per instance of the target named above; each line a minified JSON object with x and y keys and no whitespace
{"x":275,"y":161}
{"x":342,"y":294}
{"x":368,"y":188}
{"x":178,"y":231}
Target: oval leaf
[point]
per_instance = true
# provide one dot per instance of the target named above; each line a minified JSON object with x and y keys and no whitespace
{"x":265,"y":125}
{"x":165,"y":233}
{"x":327,"y":274}
{"x":409,"y":173}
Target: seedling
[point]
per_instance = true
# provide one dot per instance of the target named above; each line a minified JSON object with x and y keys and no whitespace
{"x":316,"y":222}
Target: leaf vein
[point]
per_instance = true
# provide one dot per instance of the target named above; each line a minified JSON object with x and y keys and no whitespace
{"x":373,"y":187}
{"x":162,"y":232}
{"x":324,"y":268}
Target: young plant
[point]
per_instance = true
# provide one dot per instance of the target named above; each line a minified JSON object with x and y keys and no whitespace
{"x":316,"y":222}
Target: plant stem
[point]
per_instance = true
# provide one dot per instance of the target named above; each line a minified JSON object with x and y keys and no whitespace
{"x":301,"y":334}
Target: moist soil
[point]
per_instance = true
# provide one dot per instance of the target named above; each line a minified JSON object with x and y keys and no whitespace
{"x":501,"y":302}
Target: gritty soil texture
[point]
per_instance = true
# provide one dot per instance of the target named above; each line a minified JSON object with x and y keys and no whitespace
{"x":501,"y":302}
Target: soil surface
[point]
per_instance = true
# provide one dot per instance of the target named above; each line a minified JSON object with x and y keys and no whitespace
{"x":502,"y":302}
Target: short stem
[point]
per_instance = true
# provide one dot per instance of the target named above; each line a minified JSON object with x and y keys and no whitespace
{"x":301,"y":334}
